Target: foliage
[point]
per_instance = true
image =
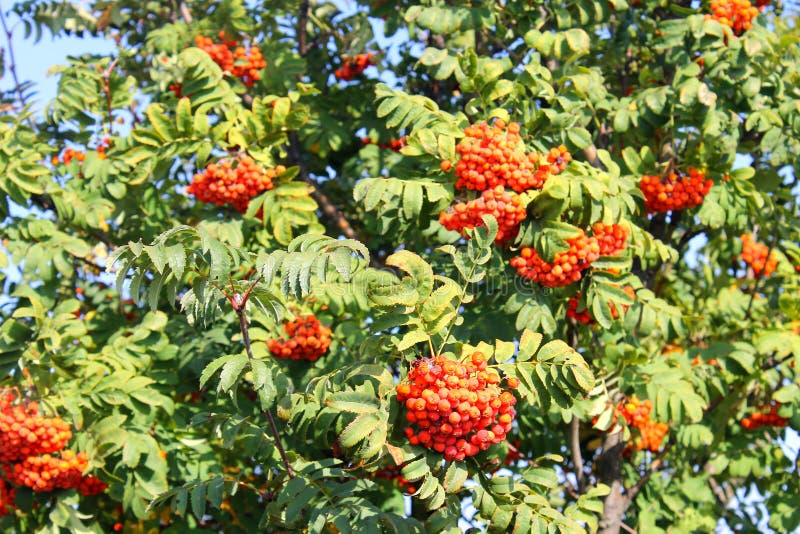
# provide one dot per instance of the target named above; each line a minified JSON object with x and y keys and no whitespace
{"x":143,"y":317}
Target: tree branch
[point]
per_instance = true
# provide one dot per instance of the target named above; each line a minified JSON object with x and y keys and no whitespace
{"x":655,"y":465}
{"x":575,"y":448}
{"x":302,"y":22}
{"x":185,"y":13}
{"x":328,"y":208}
{"x":610,"y":473}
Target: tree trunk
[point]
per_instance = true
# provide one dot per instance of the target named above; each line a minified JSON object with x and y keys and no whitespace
{"x":610,"y":473}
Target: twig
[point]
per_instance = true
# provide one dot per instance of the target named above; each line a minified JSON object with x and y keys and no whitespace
{"x":302,"y":22}
{"x":655,"y":465}
{"x":575,"y":448}
{"x":185,"y":13}
{"x":12,"y":65}
{"x":626,"y":528}
{"x":107,"y":91}
{"x":239,"y":306}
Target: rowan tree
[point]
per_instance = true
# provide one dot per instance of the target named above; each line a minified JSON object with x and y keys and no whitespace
{"x":524,"y":266}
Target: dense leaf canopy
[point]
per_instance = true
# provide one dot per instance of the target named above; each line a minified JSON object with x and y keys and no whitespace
{"x":366,"y":266}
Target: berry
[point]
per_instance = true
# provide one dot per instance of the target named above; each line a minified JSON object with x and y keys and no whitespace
{"x":67,"y":156}
{"x":239,"y":62}
{"x":637,"y":414}
{"x":567,"y":266}
{"x":768,"y":416}
{"x":674,"y":192}
{"x":47,"y":472}
{"x":610,"y":237}
{"x":223,"y":183}
{"x":353,"y":66}
{"x":91,"y":485}
{"x":308,"y":340}
{"x":736,"y":14}
{"x":455,"y":408}
{"x":505,"y":206}
{"x":394,"y":145}
{"x":23,"y":432}
{"x":581,"y":316}
{"x":758,"y":256}
{"x":494,"y":156}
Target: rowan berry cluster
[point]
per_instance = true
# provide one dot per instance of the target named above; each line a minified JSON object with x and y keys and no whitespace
{"x":308,"y":340}
{"x":637,"y":414}
{"x":611,"y":238}
{"x":758,"y":256}
{"x":233,"y":182}
{"x":48,"y":472}
{"x":736,"y":14}
{"x":352,"y":66}
{"x":567,"y":267}
{"x":394,"y":145}
{"x":233,"y":58}
{"x":675,"y":191}
{"x":23,"y":432}
{"x":505,"y":206}
{"x":765,"y":418}
{"x":33,"y":454}
{"x":68,"y":155}
{"x":455,"y":408}
{"x":392,"y":472}
{"x":493,"y":155}
{"x":582,"y":315}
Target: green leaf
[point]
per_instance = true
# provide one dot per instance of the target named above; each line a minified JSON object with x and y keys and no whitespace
{"x":353,"y":402}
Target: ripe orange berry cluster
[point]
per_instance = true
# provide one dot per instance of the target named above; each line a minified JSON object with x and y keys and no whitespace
{"x":567,"y":267}
{"x":611,"y":238}
{"x":68,"y":155}
{"x":225,"y":183}
{"x":637,"y":415}
{"x":504,"y":205}
{"x":353,"y":66}
{"x":32,"y":451}
{"x":455,"y":408}
{"x":23,"y":432}
{"x":758,"y":256}
{"x":48,"y":472}
{"x":736,"y":14}
{"x":765,"y":418}
{"x":394,"y":145}
{"x":674,"y":192}
{"x":392,"y":472}
{"x":493,"y":155}
{"x":308,"y":340}
{"x":234,"y":59}
{"x":650,"y":437}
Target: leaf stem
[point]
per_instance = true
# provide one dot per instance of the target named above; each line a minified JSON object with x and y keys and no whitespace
{"x":273,"y":427}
